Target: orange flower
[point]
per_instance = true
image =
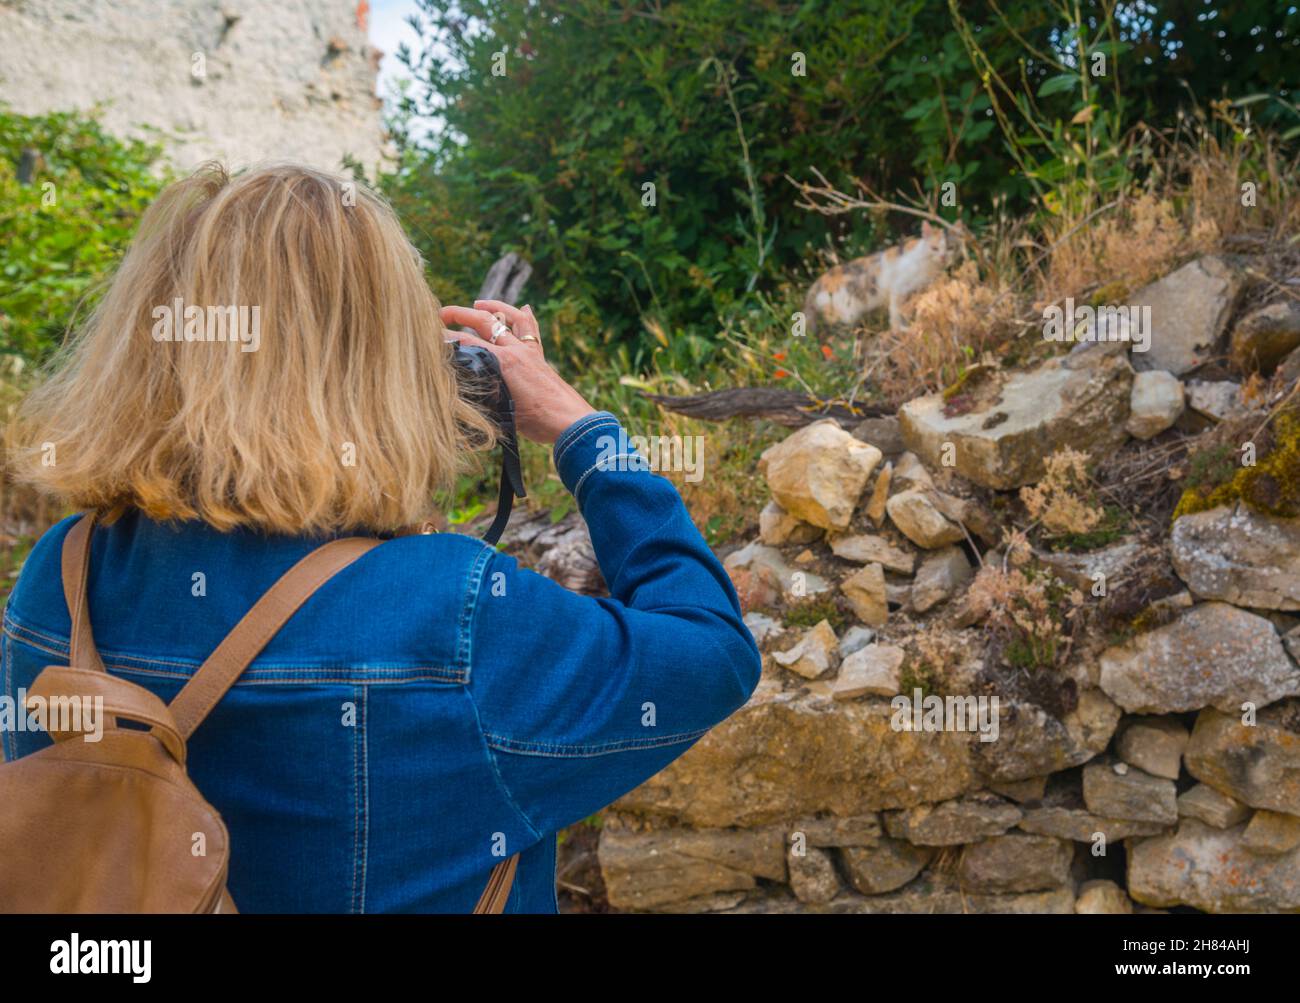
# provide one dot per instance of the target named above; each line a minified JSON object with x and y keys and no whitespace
{"x":826,"y":351}
{"x":779,"y":356}
{"x":780,"y":374}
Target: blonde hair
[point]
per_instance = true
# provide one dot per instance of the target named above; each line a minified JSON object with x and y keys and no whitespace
{"x":346,"y":415}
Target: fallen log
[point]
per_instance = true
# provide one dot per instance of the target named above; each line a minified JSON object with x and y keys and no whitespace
{"x":785,"y":407}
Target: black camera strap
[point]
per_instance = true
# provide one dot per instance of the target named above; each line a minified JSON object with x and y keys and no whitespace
{"x":512,"y":484}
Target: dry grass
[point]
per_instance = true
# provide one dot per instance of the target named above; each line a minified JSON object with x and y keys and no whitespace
{"x":955,"y":322}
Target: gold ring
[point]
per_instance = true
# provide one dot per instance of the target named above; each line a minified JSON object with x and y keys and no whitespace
{"x":530,"y":337}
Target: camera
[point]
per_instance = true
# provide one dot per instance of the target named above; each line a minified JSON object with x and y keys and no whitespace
{"x":478,"y":374}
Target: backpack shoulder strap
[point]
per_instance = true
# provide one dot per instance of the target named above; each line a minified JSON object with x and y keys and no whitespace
{"x":261,"y":623}
{"x":494,"y":897}
{"x":82,"y":652}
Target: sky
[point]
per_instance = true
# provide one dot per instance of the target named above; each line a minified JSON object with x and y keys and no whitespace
{"x":388,"y":29}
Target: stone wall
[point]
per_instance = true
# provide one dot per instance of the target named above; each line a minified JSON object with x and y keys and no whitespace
{"x":239,"y":81}
{"x":1151,"y":763}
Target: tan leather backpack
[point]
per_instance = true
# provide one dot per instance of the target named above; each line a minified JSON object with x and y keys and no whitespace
{"x":110,"y":826}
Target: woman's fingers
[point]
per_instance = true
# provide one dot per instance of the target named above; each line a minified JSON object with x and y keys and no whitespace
{"x":520,"y":320}
{"x":479,"y":321}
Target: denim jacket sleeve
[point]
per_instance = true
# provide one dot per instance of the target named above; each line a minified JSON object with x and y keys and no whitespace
{"x":582,"y":699}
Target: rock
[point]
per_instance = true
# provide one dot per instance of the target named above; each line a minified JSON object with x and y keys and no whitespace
{"x":1259,"y":764}
{"x":880,"y":494}
{"x":910,"y":473}
{"x":1291,"y":641}
{"x":1016,"y":862}
{"x":872,"y":550}
{"x":1153,"y":744}
{"x":977,"y":519}
{"x":976,"y":816}
{"x":815,"y":654}
{"x":777,"y":526}
{"x":1114,"y":565}
{"x":882,"y":433}
{"x":1032,"y":742}
{"x":763,"y":627}
{"x":1212,"y":655}
{"x":568,"y":557}
{"x":1082,"y":826}
{"x":941,"y":575}
{"x":855,"y":638}
{"x":817,"y":474}
{"x":1207,"y":805}
{"x":657,"y":870}
{"x":812,"y":875}
{"x":920,"y":521}
{"x":1102,"y":898}
{"x":1021,"y":791}
{"x":1134,"y":794}
{"x":884,"y":866}
{"x":860,"y":830}
{"x":1265,"y":336}
{"x":1271,"y":832}
{"x":870,"y":671}
{"x":1217,"y":400}
{"x":1288,"y":371}
{"x":1189,"y":311}
{"x":1212,"y":870}
{"x":1156,"y":401}
{"x":865,"y":591}
{"x":788,"y":754}
{"x":1002,"y":435}
{"x":928,"y":894}
{"x":1240,"y":556}
{"x":767,"y":564}
{"x":756,"y":588}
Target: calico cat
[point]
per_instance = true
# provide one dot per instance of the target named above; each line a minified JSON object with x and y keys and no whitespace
{"x":848,"y":292}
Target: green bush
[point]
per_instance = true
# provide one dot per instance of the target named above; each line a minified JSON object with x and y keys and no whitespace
{"x":63,"y":233}
{"x":592,"y":99}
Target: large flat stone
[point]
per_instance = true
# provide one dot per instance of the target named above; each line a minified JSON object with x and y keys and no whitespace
{"x":1212,"y":655}
{"x":962,"y":820}
{"x":653,"y":871}
{"x":1240,"y":556}
{"x":1016,"y":862}
{"x":1256,"y":764}
{"x":1189,"y":313}
{"x":791,"y":754}
{"x":1212,"y":870}
{"x":1002,"y":439}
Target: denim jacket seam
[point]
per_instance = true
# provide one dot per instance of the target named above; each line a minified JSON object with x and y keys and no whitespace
{"x":583,"y":426}
{"x":10,"y":751}
{"x":496,"y":768}
{"x":361,"y":783}
{"x":465,"y":623}
{"x":563,"y":750}
{"x":266,"y":674}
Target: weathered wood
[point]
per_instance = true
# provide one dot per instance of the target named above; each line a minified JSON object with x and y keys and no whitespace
{"x":505,"y":279}
{"x":785,"y":407}
{"x":28,"y":162}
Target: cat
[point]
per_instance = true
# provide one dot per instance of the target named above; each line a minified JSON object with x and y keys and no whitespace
{"x":848,"y":292}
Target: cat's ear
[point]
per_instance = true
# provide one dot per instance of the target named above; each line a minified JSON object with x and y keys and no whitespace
{"x":926,"y":228}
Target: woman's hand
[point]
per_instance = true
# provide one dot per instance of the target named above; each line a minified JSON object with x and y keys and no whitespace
{"x":544,"y":404}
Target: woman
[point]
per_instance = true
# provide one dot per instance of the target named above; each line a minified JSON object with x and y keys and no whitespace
{"x":268,"y":371}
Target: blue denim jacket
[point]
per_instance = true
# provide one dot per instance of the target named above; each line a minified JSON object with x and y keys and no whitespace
{"x":433,"y":707}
